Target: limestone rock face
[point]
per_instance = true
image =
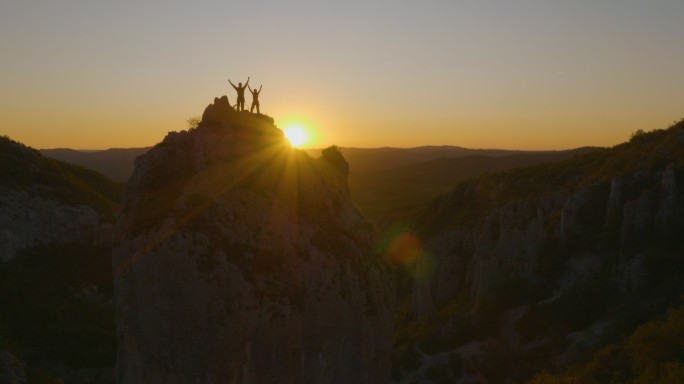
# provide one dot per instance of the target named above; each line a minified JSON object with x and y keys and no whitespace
{"x":241,"y":260}
{"x":550,"y":271}
{"x":28,"y":220}
{"x":610,"y":224}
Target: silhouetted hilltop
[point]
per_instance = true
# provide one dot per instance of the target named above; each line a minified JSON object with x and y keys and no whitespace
{"x":537,"y":268}
{"x":240,"y":259}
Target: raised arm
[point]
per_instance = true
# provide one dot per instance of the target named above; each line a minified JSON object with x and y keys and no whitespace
{"x":231,"y":83}
{"x":247,"y":81}
{"x":260,"y":88}
{"x":250,"y":89}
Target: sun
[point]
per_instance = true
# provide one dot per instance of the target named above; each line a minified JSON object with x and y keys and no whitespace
{"x":296,"y":134}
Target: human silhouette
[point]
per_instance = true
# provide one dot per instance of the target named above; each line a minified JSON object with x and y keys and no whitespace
{"x":255,"y":99}
{"x":240,"y":89}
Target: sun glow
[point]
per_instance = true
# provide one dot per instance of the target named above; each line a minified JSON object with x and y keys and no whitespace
{"x":296,"y":134}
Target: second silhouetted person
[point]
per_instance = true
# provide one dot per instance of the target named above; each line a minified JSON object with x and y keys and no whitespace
{"x":255,"y":99}
{"x":240,"y":89}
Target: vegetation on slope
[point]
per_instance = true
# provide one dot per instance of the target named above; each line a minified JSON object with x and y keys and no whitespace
{"x":646,"y":151}
{"x":58,"y":311}
{"x":58,"y":315}
{"x":25,"y":168}
{"x":439,"y":347}
{"x":653,"y":353}
{"x":393,"y":196}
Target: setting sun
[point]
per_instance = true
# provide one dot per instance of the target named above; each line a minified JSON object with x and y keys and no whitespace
{"x":296,"y":135}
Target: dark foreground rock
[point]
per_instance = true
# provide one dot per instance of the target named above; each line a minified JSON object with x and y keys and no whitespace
{"x":241,"y":260}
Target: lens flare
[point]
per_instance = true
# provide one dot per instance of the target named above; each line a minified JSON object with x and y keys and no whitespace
{"x":404,"y":248}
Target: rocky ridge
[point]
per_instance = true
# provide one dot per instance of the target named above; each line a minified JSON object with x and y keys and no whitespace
{"x":242,"y":260}
{"x":532,"y":268}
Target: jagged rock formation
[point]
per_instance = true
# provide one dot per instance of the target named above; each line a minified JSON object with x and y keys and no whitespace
{"x":536,"y":266}
{"x":241,"y":260}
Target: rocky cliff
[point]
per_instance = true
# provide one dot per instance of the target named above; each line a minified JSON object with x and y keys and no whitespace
{"x":532,"y":269}
{"x":44,"y":201}
{"x":29,"y":220}
{"x":242,"y":260}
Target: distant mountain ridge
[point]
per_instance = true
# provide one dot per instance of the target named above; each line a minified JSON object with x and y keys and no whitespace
{"x":116,"y":163}
{"x":388,"y":184}
{"x":364,"y":160}
{"x":391,"y":196}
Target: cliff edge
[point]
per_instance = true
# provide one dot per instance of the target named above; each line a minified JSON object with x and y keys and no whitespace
{"x":242,"y":260}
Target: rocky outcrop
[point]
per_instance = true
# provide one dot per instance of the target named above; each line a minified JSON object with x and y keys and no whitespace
{"x":524,"y":241}
{"x":557,"y":270}
{"x":28,"y":220}
{"x":241,"y":260}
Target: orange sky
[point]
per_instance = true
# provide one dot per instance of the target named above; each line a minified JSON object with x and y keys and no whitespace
{"x":528,"y":74}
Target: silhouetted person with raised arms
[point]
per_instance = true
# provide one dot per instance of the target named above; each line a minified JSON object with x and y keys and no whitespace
{"x":255,"y":99}
{"x":240,"y":89}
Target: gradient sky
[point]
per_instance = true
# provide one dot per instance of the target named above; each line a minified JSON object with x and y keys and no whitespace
{"x":523,"y":74}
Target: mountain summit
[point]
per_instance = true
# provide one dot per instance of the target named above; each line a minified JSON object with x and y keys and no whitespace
{"x":242,"y":260}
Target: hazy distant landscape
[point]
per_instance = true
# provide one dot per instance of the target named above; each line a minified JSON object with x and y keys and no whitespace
{"x":474,"y":265}
{"x":388,"y":184}
{"x":307,"y":192}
